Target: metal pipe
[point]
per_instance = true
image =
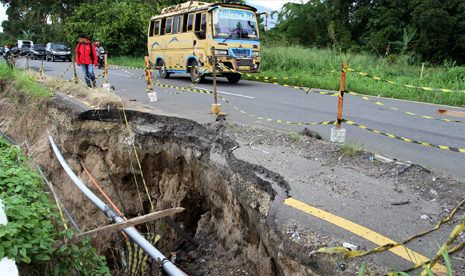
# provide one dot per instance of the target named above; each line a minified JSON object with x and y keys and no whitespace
{"x":169,"y":267}
{"x":59,"y":201}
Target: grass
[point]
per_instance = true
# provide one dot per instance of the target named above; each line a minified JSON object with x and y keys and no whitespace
{"x":352,"y":148}
{"x":130,"y":61}
{"x":293,"y":136}
{"x":24,"y":81}
{"x":31,"y":84}
{"x":300,"y":62}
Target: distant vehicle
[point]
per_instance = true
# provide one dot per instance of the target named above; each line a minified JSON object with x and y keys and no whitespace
{"x":25,"y":50}
{"x":15,"y":51}
{"x":2,"y":50}
{"x":57,"y":50}
{"x":25,"y":42}
{"x":37,"y":51}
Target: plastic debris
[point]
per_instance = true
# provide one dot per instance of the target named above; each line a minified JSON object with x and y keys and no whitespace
{"x":425,"y":217}
{"x":350,"y":246}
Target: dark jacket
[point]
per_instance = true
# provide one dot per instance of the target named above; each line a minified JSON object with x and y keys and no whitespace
{"x":86,"y":54}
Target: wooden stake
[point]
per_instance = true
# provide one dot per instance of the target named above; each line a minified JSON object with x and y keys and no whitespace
{"x":148,"y":74}
{"x":214,"y":74}
{"x":341,"y":96}
{"x":106,"y":72}
{"x":451,"y":113}
{"x":75,"y":75}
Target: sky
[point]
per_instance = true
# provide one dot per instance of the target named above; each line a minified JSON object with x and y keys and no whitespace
{"x":271,"y":4}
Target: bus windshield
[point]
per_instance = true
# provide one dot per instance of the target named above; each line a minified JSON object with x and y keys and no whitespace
{"x":235,"y":24}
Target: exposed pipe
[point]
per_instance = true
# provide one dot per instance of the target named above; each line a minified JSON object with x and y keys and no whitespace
{"x":168,"y":266}
{"x":59,"y":201}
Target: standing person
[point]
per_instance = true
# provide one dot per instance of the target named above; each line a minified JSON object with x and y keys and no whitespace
{"x":86,"y":57}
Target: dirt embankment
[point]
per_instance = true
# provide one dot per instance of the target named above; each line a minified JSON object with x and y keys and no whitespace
{"x":230,"y":204}
{"x":179,"y":163}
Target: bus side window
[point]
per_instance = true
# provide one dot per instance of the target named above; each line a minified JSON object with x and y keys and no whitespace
{"x":175,"y":24}
{"x":184,"y":23}
{"x":200,"y":24}
{"x":203,"y":26}
{"x":163,"y":26}
{"x":157,"y":27}
{"x":169,"y":22}
{"x":197,"y":21}
{"x":190,"y":23}
{"x":179,"y":23}
{"x":152,"y":23}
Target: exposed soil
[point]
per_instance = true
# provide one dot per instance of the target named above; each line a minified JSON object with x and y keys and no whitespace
{"x":218,"y":172}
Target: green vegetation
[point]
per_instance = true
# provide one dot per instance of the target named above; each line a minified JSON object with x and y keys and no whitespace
{"x":33,"y":224}
{"x":293,"y":136}
{"x":300,"y":62}
{"x":130,"y":61}
{"x":24,"y":81}
{"x":352,"y":148}
{"x":428,"y":31}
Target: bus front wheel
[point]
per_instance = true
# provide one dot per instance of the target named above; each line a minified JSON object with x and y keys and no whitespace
{"x":195,"y":72}
{"x":233,"y":78}
{"x":162,"y":71}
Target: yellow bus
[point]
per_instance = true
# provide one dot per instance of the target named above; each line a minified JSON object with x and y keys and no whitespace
{"x":181,"y":38}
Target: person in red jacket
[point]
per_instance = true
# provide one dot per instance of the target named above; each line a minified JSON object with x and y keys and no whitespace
{"x":86,"y":57}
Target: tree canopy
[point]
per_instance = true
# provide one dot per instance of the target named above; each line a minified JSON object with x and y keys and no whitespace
{"x":426,"y":30}
{"x":422,"y":30}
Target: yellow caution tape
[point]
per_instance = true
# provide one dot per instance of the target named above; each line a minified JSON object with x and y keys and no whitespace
{"x":406,"y":85}
{"x":137,"y":257}
{"x":405,"y":139}
{"x":278,"y":121}
{"x":267,"y":79}
{"x":406,"y":112}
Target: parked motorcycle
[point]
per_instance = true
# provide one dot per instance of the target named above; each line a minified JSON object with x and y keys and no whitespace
{"x":101,"y":58}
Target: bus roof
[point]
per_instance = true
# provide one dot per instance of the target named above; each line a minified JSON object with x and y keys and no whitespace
{"x":192,"y":6}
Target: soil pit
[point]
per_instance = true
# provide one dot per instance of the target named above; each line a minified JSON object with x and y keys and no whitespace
{"x":179,"y":163}
{"x":229,"y":203}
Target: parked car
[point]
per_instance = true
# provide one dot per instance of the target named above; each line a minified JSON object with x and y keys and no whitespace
{"x":57,"y":50}
{"x":15,"y":51}
{"x":25,"y":50}
{"x":37,"y":51}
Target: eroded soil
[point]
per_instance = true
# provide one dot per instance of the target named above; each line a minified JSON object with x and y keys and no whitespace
{"x":220,"y":173}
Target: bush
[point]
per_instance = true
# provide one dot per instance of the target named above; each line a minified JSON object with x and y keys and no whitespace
{"x":32,"y":226}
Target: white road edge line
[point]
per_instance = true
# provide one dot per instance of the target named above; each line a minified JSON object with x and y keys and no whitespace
{"x":122,"y":75}
{"x":227,"y":93}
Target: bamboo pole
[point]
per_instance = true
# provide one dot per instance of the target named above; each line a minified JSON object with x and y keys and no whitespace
{"x":120,"y":226}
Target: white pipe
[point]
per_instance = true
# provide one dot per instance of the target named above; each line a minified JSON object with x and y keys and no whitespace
{"x":168,"y":266}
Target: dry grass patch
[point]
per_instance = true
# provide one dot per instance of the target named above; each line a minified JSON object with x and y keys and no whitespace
{"x":97,"y":97}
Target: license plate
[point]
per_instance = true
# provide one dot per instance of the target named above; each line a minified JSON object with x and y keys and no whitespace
{"x":244,"y":68}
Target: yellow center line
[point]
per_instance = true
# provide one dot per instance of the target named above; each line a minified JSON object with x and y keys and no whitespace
{"x":365,"y":233}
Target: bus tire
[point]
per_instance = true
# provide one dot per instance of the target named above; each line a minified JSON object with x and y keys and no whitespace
{"x":233,"y":78}
{"x":162,"y":71}
{"x":195,"y":72}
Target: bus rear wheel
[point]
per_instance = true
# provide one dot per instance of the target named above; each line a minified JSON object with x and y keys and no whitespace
{"x":162,"y":71}
{"x":195,"y":72}
{"x":233,"y":78}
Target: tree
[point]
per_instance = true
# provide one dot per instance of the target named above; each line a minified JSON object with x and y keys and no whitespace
{"x":121,"y":27}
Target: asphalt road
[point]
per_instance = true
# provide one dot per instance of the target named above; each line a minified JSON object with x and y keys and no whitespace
{"x":288,"y":104}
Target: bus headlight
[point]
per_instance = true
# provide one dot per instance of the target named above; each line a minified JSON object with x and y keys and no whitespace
{"x":221,"y":52}
{"x":255,"y":53}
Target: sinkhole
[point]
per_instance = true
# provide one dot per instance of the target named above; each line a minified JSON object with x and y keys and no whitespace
{"x":146,"y":162}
